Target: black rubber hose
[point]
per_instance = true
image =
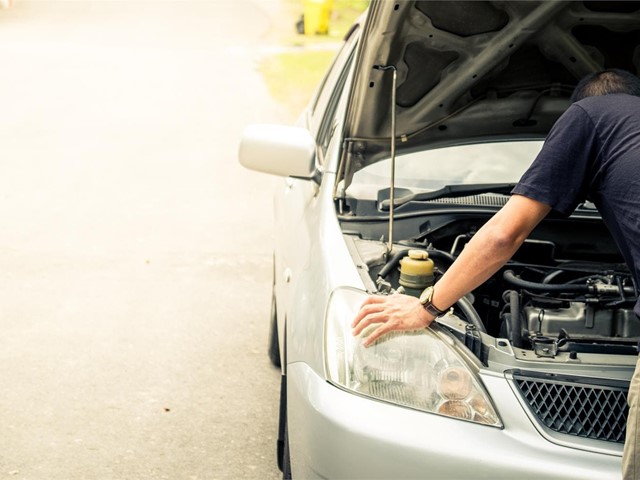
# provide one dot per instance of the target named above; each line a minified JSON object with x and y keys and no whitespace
{"x":441,"y":255}
{"x":471,"y":313}
{"x":510,"y":277}
{"x":515,"y":335}
{"x":393,"y":262}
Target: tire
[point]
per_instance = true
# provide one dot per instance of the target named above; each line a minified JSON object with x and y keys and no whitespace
{"x":282,"y":444}
{"x":286,"y":457}
{"x":274,"y":344}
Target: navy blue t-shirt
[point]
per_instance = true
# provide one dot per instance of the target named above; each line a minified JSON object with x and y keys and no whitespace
{"x":594,"y":149}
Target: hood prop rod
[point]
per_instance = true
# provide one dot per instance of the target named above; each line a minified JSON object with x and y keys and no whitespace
{"x":393,"y":148}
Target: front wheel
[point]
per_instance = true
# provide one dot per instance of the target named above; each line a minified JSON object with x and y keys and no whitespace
{"x":274,"y":346}
{"x":286,"y":457}
{"x":282,"y":442}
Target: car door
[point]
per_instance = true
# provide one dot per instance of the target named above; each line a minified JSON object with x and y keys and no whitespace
{"x":295,"y":197}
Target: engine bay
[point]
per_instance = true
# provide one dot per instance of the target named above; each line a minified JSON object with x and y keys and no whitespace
{"x":556,"y":295}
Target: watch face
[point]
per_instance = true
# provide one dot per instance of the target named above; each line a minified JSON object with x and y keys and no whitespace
{"x":425,"y":296}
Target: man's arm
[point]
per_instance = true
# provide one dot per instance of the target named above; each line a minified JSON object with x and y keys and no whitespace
{"x":489,"y":249}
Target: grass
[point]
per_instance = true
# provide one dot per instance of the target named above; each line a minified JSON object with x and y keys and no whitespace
{"x":292,"y":76}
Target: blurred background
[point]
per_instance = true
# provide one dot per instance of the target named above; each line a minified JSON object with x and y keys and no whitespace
{"x":135,"y":254}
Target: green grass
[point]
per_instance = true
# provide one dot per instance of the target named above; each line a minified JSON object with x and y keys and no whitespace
{"x":293,"y":76}
{"x":345,"y":12}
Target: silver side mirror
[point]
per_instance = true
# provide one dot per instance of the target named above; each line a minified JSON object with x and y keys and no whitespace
{"x":279,"y":150}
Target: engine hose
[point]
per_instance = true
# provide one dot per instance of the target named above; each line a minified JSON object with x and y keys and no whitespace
{"x":510,"y":277}
{"x":515,"y":320}
{"x":471,"y":313}
{"x":440,"y":255}
{"x":393,"y":262}
{"x":551,"y":276}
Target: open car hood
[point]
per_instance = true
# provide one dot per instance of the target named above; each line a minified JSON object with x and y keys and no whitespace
{"x":471,"y":71}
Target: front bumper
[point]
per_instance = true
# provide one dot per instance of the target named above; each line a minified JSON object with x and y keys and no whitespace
{"x":337,"y":434}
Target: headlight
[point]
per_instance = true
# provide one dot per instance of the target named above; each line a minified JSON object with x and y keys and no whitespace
{"x":414,"y":369}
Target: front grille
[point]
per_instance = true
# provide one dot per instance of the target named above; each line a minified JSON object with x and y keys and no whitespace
{"x":589,"y":408}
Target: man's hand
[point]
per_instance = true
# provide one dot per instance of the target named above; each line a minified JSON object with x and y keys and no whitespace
{"x":394,"y":312}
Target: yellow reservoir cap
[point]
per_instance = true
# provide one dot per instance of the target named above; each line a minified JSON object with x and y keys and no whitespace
{"x":417,"y":263}
{"x":416,"y":270}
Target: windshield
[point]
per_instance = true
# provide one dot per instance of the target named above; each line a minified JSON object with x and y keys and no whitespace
{"x":497,"y":162}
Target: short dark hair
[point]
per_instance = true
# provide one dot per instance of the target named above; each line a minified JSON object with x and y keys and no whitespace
{"x":606,"y":82}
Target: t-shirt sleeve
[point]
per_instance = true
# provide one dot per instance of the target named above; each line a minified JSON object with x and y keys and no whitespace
{"x":558,"y":177}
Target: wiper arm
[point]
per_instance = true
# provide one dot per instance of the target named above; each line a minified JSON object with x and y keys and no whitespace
{"x":449,"y":191}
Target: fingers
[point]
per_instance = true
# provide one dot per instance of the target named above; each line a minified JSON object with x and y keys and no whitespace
{"x":371,"y":305}
{"x":374,"y":309}
{"x":394,"y":312}
{"x":377,"y":333}
{"x":370,"y":315}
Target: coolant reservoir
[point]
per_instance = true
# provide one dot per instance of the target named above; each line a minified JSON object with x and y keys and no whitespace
{"x":416,"y":271}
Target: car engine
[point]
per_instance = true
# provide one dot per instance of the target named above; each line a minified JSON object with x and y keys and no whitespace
{"x":537,"y":301}
{"x":572,"y":308}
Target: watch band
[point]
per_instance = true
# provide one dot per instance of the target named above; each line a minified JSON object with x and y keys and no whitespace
{"x":433,"y":310}
{"x":427,"y":304}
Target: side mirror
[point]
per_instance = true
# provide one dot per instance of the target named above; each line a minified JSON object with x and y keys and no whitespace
{"x":279,"y":150}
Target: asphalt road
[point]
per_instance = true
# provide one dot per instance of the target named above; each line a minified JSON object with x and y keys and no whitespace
{"x":135,"y":253}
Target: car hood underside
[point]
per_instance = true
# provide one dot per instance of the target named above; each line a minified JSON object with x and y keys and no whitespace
{"x":470,"y":70}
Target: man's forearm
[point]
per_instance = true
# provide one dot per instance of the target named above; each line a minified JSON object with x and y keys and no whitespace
{"x":483,"y":256}
{"x":489,"y":249}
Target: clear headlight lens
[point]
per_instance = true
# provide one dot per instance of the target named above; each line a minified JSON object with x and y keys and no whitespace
{"x":414,"y":369}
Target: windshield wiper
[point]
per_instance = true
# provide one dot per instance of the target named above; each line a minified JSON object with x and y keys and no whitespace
{"x":448,"y":191}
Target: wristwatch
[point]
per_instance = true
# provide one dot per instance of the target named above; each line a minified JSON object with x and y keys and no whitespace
{"x":425,"y":300}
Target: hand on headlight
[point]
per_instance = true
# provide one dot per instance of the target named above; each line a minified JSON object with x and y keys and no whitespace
{"x":393,"y":313}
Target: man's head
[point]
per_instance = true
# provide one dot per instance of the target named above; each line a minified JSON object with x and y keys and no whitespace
{"x":606,"y":82}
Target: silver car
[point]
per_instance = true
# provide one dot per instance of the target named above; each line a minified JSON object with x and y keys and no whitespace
{"x":426,"y":119}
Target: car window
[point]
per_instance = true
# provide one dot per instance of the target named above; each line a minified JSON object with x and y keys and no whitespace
{"x":330,"y":120}
{"x":496,"y":162}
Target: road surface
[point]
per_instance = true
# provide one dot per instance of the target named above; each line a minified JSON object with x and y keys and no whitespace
{"x":135,"y":253}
